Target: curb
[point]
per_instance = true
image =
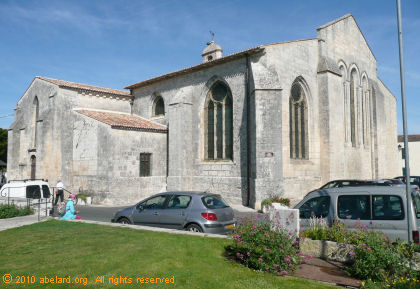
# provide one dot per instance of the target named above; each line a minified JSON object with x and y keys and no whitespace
{"x":146,"y":228}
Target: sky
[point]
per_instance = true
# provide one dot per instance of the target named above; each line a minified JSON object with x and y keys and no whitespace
{"x":115,"y":43}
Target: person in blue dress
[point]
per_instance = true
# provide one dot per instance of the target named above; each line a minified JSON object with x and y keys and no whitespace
{"x":71,"y":213}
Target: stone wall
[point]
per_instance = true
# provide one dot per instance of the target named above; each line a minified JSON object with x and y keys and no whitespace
{"x":106,"y":162}
{"x":184,"y":98}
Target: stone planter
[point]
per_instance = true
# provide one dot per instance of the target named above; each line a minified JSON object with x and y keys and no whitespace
{"x":326,"y":250}
{"x":267,"y":208}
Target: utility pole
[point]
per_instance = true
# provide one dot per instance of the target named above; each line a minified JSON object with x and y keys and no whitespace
{"x":404,"y":115}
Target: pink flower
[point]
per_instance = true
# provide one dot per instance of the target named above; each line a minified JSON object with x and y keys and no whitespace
{"x":248,"y":254}
{"x":260,"y":260}
{"x":290,"y":266}
{"x":369,"y":249}
{"x":287,"y":259}
{"x":352,"y":253}
{"x":309,"y":256}
{"x":284,"y":272}
{"x":275,"y":265}
{"x":267,"y":250}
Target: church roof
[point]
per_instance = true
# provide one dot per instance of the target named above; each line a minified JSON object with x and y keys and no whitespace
{"x":233,"y":56}
{"x":200,"y":66}
{"x":85,"y":87}
{"x":123,"y":120}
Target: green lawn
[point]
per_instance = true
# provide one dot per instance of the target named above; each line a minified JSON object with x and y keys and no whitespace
{"x":80,"y":250}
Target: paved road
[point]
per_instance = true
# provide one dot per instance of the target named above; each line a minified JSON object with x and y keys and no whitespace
{"x":98,"y":213}
{"x":105,"y":213}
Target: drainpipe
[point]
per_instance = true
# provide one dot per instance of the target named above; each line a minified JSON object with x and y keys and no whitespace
{"x":167,"y":154}
{"x":248,"y":133}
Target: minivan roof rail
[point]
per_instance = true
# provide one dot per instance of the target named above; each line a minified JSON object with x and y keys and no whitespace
{"x":27,"y":180}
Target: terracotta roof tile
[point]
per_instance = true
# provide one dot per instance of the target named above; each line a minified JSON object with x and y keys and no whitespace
{"x":229,"y":57}
{"x":195,"y":67}
{"x":74,"y":85}
{"x":411,"y":138}
{"x":123,"y":120}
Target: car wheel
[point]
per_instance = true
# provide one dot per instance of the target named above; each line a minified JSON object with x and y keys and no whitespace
{"x":124,"y":221}
{"x":194,"y":228}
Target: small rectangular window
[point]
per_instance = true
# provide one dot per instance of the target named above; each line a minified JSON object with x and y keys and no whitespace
{"x":354,"y":207}
{"x":145,"y":164}
{"x":387,"y":208}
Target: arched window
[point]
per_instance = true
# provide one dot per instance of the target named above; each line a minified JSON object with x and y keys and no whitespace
{"x":298,"y":122}
{"x":159,"y":107}
{"x":365,"y":110}
{"x":35,"y":119}
{"x":218,"y":123}
{"x":353,"y":96}
{"x":345,"y":96}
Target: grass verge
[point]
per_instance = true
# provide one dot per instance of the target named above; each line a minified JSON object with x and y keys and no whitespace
{"x":84,"y":253}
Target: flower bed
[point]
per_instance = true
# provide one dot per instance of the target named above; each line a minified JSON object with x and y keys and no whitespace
{"x":372,"y":256}
{"x":257,"y":246}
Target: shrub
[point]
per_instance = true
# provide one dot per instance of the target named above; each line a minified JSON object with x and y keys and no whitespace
{"x":10,"y":211}
{"x":375,"y":257}
{"x":258,"y":247}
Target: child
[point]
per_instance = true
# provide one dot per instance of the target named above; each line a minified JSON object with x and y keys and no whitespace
{"x":71,"y":213}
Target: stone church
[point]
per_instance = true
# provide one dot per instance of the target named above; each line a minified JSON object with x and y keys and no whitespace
{"x":281,"y":118}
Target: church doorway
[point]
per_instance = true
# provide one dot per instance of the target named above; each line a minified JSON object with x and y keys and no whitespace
{"x":33,"y":167}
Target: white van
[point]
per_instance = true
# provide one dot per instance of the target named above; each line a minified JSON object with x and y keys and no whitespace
{"x":382,"y":207}
{"x":26,"y":189}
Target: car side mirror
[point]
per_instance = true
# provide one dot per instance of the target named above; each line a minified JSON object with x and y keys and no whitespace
{"x":140,"y":207}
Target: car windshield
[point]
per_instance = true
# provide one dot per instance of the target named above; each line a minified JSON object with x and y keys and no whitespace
{"x":214,"y":202}
{"x":416,"y":201}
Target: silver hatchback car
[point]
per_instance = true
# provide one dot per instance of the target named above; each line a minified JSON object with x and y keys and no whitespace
{"x":191,"y":211}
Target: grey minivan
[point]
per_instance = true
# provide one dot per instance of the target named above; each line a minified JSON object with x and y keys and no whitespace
{"x":192,"y":211}
{"x":381,"y":207}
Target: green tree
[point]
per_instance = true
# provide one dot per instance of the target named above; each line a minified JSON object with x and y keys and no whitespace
{"x":3,"y":144}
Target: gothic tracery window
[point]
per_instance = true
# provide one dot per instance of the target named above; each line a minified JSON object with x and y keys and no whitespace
{"x":298,"y":122}
{"x":218,"y":123}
